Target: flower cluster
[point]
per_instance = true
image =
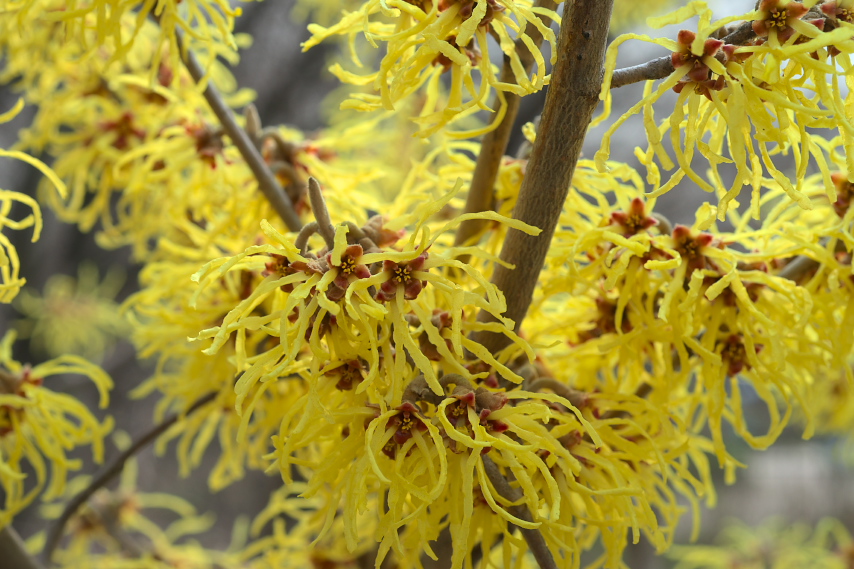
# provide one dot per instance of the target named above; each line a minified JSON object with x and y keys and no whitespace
{"x":347,"y":355}
{"x":747,"y":105}
{"x":95,"y":24}
{"x":425,"y":39}
{"x":692,"y":315}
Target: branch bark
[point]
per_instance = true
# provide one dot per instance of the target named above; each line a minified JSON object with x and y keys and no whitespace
{"x":535,"y":540}
{"x":494,"y":144}
{"x":572,"y":97}
{"x":267,"y":182}
{"x":112,"y":470}
{"x":13,"y":553}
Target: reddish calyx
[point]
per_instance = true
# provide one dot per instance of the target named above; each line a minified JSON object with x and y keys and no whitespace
{"x":635,"y":219}
{"x":690,"y":248}
{"x":699,"y":75}
{"x":402,"y":276}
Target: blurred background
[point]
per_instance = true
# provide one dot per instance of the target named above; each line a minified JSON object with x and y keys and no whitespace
{"x":795,"y":480}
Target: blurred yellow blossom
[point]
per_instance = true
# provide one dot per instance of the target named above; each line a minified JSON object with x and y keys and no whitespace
{"x":74,"y":316}
{"x":772,"y":545}
{"x":38,"y":427}
{"x":425,"y":39}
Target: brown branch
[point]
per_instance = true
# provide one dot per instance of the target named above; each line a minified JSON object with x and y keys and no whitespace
{"x":655,"y":69}
{"x":576,"y":397}
{"x":572,"y":96}
{"x":13,"y":553}
{"x":267,"y":182}
{"x":112,"y":470}
{"x":494,"y":144}
{"x":535,"y":540}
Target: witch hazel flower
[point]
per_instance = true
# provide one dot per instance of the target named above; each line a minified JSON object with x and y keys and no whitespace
{"x":635,"y":220}
{"x":699,"y":73}
{"x":842,"y":11}
{"x":778,"y":16}
{"x":402,"y":277}
{"x":349,"y":269}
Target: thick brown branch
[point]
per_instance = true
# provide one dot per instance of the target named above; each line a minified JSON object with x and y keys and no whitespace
{"x":13,"y":553}
{"x":267,"y":182}
{"x":571,"y":99}
{"x":494,"y":144}
{"x":112,"y":470}
{"x":536,"y":541}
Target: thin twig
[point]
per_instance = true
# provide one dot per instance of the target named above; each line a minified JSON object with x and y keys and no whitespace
{"x":321,"y":214}
{"x":267,"y":182}
{"x":655,"y":69}
{"x":536,"y":541}
{"x":573,"y":95}
{"x":112,"y":470}
{"x":662,"y":67}
{"x":13,"y":553}
{"x":301,"y":242}
{"x":494,"y":144}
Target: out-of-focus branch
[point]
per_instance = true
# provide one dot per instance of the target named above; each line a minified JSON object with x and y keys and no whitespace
{"x":573,"y":95}
{"x":494,"y":144}
{"x":267,"y":182}
{"x":112,"y":470}
{"x":796,"y":269}
{"x":535,"y":540}
{"x":13,"y":554}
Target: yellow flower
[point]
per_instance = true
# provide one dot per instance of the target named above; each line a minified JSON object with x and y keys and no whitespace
{"x":122,"y":140}
{"x":741,"y":105}
{"x":93,"y":24}
{"x":696,"y":314}
{"x":39,"y":426}
{"x":75,"y":316}
{"x":314,"y":301}
{"x":425,"y":39}
{"x":10,"y":279}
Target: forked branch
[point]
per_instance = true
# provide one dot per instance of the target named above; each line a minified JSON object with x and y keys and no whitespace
{"x":573,"y":95}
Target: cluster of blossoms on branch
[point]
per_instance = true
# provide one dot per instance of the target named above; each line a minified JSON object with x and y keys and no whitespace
{"x":351,"y":351}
